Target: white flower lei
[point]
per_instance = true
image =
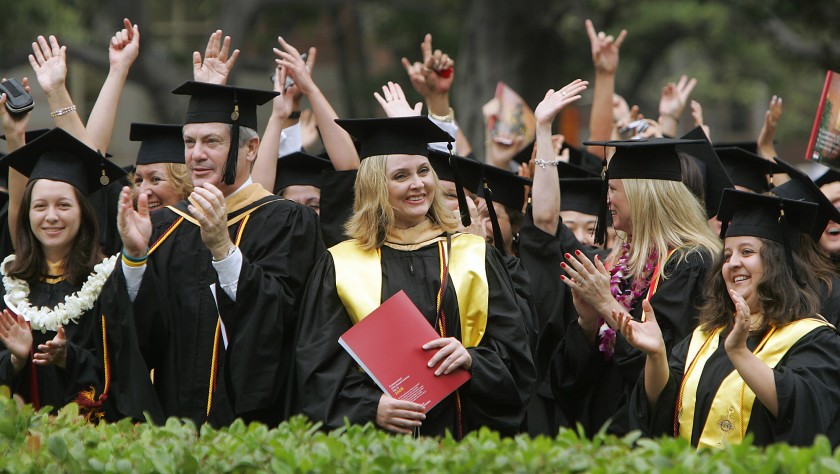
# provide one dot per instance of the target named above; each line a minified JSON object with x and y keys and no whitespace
{"x":73,"y":306}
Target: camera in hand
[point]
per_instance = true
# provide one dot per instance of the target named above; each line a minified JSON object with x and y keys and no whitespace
{"x":289,"y":81}
{"x":18,"y":101}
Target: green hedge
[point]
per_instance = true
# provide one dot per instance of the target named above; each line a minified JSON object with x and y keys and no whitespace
{"x":33,"y":441}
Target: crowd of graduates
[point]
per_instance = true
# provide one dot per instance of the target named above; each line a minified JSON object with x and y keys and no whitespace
{"x":651,"y":280}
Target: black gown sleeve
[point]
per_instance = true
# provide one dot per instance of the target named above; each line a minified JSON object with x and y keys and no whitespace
{"x":330,"y":385}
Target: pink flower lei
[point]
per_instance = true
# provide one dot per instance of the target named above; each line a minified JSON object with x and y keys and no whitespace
{"x":627,"y":296}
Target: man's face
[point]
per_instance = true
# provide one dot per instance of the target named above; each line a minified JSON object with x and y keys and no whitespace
{"x":206,"y":150}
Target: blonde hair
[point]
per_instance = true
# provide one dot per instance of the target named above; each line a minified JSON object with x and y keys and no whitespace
{"x":373,"y":216}
{"x":665,"y":215}
{"x":179,"y":177}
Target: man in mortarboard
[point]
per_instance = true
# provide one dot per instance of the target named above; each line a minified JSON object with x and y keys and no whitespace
{"x":215,"y":280}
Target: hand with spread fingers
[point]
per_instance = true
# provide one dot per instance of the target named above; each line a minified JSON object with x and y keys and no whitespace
{"x":672,"y":102}
{"x":555,"y":101}
{"x":433,"y":76}
{"x":49,"y":61}
{"x":604,"y":48}
{"x":134,"y":225}
{"x":17,"y":337}
{"x":399,"y":416}
{"x":394,"y":103}
{"x":296,"y":67}
{"x":451,"y":355}
{"x":737,"y":338}
{"x":53,"y":352}
{"x":208,"y":208}
{"x":218,"y":61}
{"x":645,"y":336}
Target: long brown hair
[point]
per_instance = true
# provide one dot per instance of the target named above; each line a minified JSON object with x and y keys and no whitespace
{"x":30,"y":263}
{"x":781,"y":300}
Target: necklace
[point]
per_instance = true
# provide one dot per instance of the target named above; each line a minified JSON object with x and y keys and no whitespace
{"x":45,"y":319}
{"x":626,"y":297}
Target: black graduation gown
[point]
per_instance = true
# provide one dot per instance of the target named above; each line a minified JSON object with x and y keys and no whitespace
{"x":104,"y":202}
{"x":807,"y":384}
{"x":174,"y":316}
{"x":830,"y":300}
{"x":602,"y":388}
{"x":337,"y":197}
{"x":331,"y":386}
{"x":57,"y":387}
{"x":541,"y":254}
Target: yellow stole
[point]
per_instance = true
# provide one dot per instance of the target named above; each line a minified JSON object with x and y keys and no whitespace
{"x":358,"y":279}
{"x":732,"y":406}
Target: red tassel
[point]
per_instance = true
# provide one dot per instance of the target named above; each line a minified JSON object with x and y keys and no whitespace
{"x":90,"y":406}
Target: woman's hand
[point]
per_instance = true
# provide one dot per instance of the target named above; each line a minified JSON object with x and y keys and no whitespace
{"x":299,"y":70}
{"x":49,"y":60}
{"x":604,"y":48}
{"x":645,"y":336}
{"x":14,"y":125}
{"x":399,"y":416}
{"x":737,"y":338}
{"x":135,"y":226}
{"x":591,"y":281}
{"x":394,"y":102}
{"x":434,"y":75}
{"x":451,"y":355}
{"x":54,"y":352}
{"x":768,"y":131}
{"x":124,"y":47}
{"x":17,"y":337}
{"x":555,"y":101}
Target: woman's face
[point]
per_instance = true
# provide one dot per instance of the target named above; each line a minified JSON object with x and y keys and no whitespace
{"x":411,"y":188}
{"x":153,"y":181}
{"x":619,"y":206}
{"x":743,"y":268}
{"x":450,"y":195}
{"x":308,"y":195}
{"x":830,"y":240}
{"x":54,"y":216}
{"x":582,"y":225}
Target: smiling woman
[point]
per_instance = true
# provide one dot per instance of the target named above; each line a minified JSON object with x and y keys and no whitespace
{"x":403,"y":237}
{"x":47,"y":284}
{"x":160,"y":171}
{"x":762,"y":360}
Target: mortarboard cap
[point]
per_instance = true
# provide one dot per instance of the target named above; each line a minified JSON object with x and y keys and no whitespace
{"x":159,"y":143}
{"x":224,"y":104}
{"x":760,"y":215}
{"x":300,"y":168}
{"x":802,"y":188}
{"x":747,"y":169}
{"x":469,"y":171}
{"x":524,"y":155}
{"x":580,"y":195}
{"x":750,"y":146}
{"x":583,"y":159}
{"x":396,"y":135}
{"x":59,"y":156}
{"x":715,"y":178}
{"x":507,"y":189}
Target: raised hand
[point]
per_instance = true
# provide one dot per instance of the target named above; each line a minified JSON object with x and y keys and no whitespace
{"x":49,"y":61}
{"x":768,"y":130}
{"x":674,"y":97}
{"x":216,"y":64}
{"x":309,"y":135}
{"x":737,"y":338}
{"x":208,"y":208}
{"x":604,"y":48}
{"x":17,"y":337}
{"x":434,"y":74}
{"x":296,"y":68}
{"x":124,"y":47}
{"x":394,"y":102}
{"x":14,"y":126}
{"x":555,"y":101}
{"x":54,"y":352}
{"x":135,"y":226}
{"x":697,"y":115}
{"x":645,"y":336}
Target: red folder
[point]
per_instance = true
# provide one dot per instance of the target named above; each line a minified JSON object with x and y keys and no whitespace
{"x":388,"y":345}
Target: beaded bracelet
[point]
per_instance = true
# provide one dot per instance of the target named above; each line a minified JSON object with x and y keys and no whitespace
{"x":543,"y":163}
{"x":449,"y":117}
{"x":64,"y":111}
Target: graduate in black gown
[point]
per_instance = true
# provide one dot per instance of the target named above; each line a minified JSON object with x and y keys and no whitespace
{"x":666,"y":250}
{"x":159,"y":171}
{"x":51,"y":326}
{"x":761,"y":361}
{"x":208,"y":289}
{"x":403,"y":240}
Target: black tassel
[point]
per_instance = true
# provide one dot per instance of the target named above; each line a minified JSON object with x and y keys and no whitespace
{"x":787,"y":244}
{"x":459,"y":190}
{"x":233,"y":150}
{"x":601,"y":226}
{"x":724,"y":226}
{"x":498,"y":240}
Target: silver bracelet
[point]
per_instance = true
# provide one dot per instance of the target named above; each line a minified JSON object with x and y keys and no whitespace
{"x":542,"y":163}
{"x":64,"y":111}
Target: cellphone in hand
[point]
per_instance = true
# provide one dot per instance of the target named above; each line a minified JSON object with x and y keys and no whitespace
{"x":18,"y":101}
{"x":289,"y":81}
{"x":633,"y":130}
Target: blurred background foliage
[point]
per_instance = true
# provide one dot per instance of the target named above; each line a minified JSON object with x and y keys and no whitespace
{"x":741,"y":51}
